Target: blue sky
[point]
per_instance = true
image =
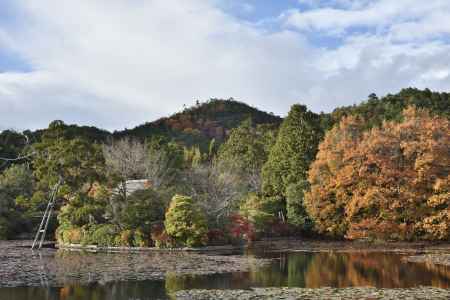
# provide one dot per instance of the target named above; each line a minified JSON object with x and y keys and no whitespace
{"x":255,"y":11}
{"x":117,"y":63}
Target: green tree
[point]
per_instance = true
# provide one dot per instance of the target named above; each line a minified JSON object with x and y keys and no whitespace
{"x":185,"y":222}
{"x":389,"y":108}
{"x":296,"y":211}
{"x":142,"y":209}
{"x":246,"y":150}
{"x":164,"y":161}
{"x":259,"y":211}
{"x":16,"y":182}
{"x":80,"y":164}
{"x":290,"y":157}
{"x":12,"y":145}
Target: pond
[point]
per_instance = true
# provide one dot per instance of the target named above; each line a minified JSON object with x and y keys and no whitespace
{"x":72,"y":276}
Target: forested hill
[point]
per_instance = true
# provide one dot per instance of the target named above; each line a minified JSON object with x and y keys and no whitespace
{"x":375,"y":110}
{"x":196,"y":125}
{"x":199,"y":124}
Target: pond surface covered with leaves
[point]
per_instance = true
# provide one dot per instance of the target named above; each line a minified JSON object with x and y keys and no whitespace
{"x":53,"y":274}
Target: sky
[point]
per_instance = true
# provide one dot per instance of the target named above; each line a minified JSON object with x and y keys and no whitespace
{"x":119,"y":63}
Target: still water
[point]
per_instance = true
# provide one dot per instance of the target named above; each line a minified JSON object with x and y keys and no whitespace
{"x":301,"y":269}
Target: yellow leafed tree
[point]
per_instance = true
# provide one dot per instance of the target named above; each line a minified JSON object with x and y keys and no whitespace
{"x":390,"y":183}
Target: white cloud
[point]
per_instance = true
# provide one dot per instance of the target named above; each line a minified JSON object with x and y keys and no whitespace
{"x":336,"y":3}
{"x":121,"y":63}
{"x":383,"y":16}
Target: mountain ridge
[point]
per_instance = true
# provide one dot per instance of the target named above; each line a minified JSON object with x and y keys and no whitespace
{"x":213,"y":119}
{"x":195,"y":125}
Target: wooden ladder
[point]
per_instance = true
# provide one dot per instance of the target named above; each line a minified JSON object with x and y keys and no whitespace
{"x":40,"y":234}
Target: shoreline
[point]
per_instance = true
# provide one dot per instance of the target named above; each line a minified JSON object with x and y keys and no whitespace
{"x":95,"y":248}
{"x":317,"y":293}
{"x":288,"y":245}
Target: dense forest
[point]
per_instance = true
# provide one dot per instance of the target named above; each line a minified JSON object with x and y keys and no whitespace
{"x":224,"y":172}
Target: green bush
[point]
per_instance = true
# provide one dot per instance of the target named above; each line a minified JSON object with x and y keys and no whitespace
{"x":140,"y":239}
{"x":101,"y":235}
{"x":124,"y":238}
{"x":185,"y":222}
{"x":70,"y":236}
{"x":131,"y":238}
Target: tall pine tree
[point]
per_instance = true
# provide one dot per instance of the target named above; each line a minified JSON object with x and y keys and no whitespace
{"x":285,"y":173}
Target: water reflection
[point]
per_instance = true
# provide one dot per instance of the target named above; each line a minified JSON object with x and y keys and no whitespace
{"x":310,"y":270}
{"x":141,"y":290}
{"x":350,"y":269}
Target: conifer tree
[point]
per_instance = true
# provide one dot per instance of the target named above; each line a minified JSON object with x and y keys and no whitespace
{"x":290,"y":157}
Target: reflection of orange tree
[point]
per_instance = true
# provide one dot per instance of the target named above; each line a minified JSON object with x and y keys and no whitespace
{"x":442,"y":271}
{"x":371,"y":269}
{"x":81,"y":292}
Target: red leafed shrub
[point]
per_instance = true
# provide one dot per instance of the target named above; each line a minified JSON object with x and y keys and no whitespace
{"x":241,"y":228}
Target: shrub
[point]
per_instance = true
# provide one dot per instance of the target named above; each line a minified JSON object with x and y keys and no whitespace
{"x":161,"y":238}
{"x":242,"y":229}
{"x":124,"y":238}
{"x":73,"y":235}
{"x":102,"y":235}
{"x":185,"y":222}
{"x":67,"y":234}
{"x":140,"y":239}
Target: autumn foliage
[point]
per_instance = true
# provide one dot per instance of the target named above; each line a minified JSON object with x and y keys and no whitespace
{"x":391,"y":182}
{"x":241,"y":228}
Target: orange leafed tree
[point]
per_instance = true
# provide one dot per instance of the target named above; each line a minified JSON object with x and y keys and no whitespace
{"x":390,"y":183}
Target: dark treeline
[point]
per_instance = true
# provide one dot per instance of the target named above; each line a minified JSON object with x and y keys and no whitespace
{"x":222,"y":171}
